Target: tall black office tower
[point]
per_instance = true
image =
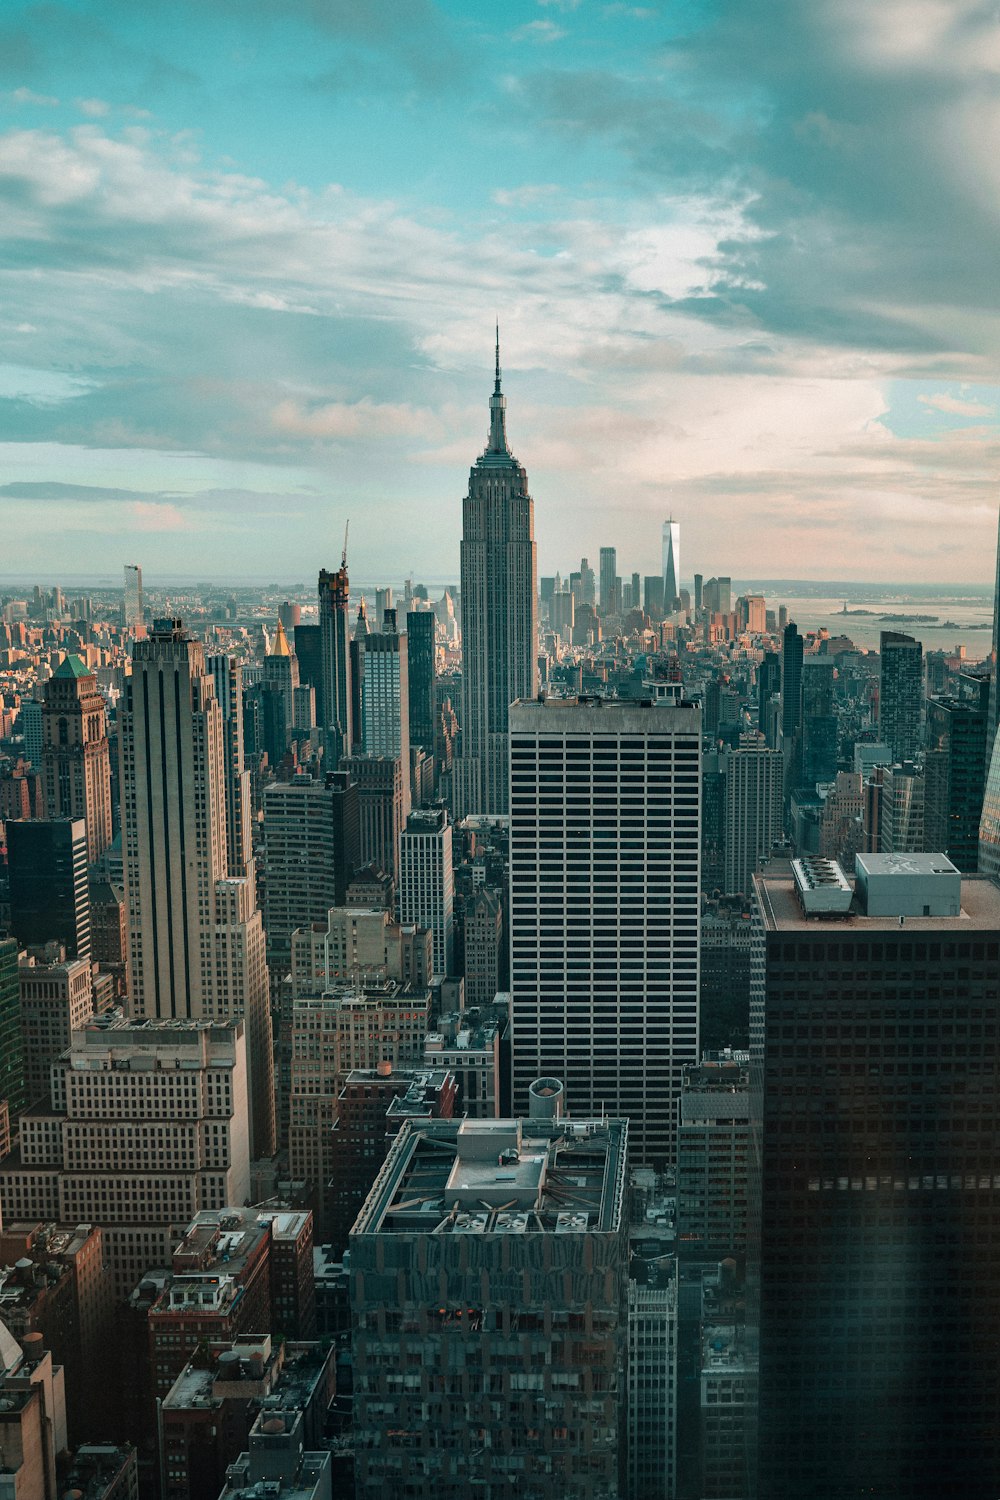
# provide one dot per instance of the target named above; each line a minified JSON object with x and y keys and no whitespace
{"x":901,"y":692}
{"x":768,"y":683}
{"x":874,"y":1189}
{"x":49,"y":899}
{"x":818,"y":726}
{"x":420,"y":627}
{"x":791,"y":679}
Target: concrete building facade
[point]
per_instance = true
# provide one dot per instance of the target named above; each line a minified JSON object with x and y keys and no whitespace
{"x":604,"y":881}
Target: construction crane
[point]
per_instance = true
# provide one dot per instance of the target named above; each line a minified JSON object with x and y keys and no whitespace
{"x":343,"y":559}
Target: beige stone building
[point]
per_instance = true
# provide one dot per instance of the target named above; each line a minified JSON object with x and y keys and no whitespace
{"x":196,"y":936}
{"x":76,"y":764}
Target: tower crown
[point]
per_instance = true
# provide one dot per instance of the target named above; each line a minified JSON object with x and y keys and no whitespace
{"x":498,"y":408}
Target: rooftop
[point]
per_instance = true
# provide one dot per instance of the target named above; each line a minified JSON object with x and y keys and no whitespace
{"x":602,"y":716}
{"x":781,"y":912}
{"x":286,"y":1374}
{"x":93,"y":1469}
{"x":71,"y":667}
{"x":500,"y":1177}
{"x":906,"y":864}
{"x":724,"y":1351}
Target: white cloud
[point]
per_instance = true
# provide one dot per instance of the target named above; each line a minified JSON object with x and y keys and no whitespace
{"x":96,"y":109}
{"x":538,"y":31}
{"x":953,"y":406}
{"x":28,"y":96}
{"x":354,"y":419}
{"x":258,"y":324}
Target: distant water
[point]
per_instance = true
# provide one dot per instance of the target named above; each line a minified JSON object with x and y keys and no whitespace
{"x":973,"y":616}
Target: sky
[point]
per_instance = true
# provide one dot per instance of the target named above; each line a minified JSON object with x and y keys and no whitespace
{"x":745,"y":256}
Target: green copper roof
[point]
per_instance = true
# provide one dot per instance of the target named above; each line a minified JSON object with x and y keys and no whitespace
{"x":72,"y":666}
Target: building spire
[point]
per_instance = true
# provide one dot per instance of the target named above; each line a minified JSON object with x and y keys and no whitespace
{"x":498,"y":405}
{"x":280,"y":647}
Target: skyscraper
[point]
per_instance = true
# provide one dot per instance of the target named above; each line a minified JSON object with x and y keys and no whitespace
{"x":49,"y":896}
{"x":195,"y":933}
{"x":954,"y":773}
{"x":383,"y":786}
{"x":791,"y":679}
{"x":993,"y":706}
{"x":385,"y":702}
{"x":12,"y":1084}
{"x":753,"y":809}
{"x":671,"y":564}
{"x":311,"y":851}
{"x":604,"y":883}
{"x":768,"y":683}
{"x":609,"y":573}
{"x":420,"y":656}
{"x":875,"y":1109}
{"x":227,"y":675}
{"x":279,"y":681}
{"x":901,"y":690}
{"x":818,"y":726}
{"x":499,"y":614}
{"x":334,"y":698}
{"x":76,"y":764}
{"x":426,"y":882}
{"x":133,"y":610}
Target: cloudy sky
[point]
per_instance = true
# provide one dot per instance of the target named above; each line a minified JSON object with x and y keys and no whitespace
{"x":745,"y":255}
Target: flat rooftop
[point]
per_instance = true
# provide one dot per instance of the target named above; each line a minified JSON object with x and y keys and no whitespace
{"x":500,"y":1177}
{"x":587,"y":716}
{"x":906,"y":864}
{"x":781,"y":912}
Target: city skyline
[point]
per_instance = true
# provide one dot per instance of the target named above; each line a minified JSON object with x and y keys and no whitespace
{"x":700,"y":293}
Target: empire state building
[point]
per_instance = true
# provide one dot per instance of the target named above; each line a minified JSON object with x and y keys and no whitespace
{"x":499,"y":614}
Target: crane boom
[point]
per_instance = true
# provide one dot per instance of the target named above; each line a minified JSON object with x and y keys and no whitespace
{"x":343,"y":560}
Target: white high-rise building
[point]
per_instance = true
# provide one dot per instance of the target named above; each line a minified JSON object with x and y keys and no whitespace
{"x":671,"y":564}
{"x":133,"y":616}
{"x":604,"y":881}
{"x":499,"y":614}
{"x":196,"y":937}
{"x":426,"y":882}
